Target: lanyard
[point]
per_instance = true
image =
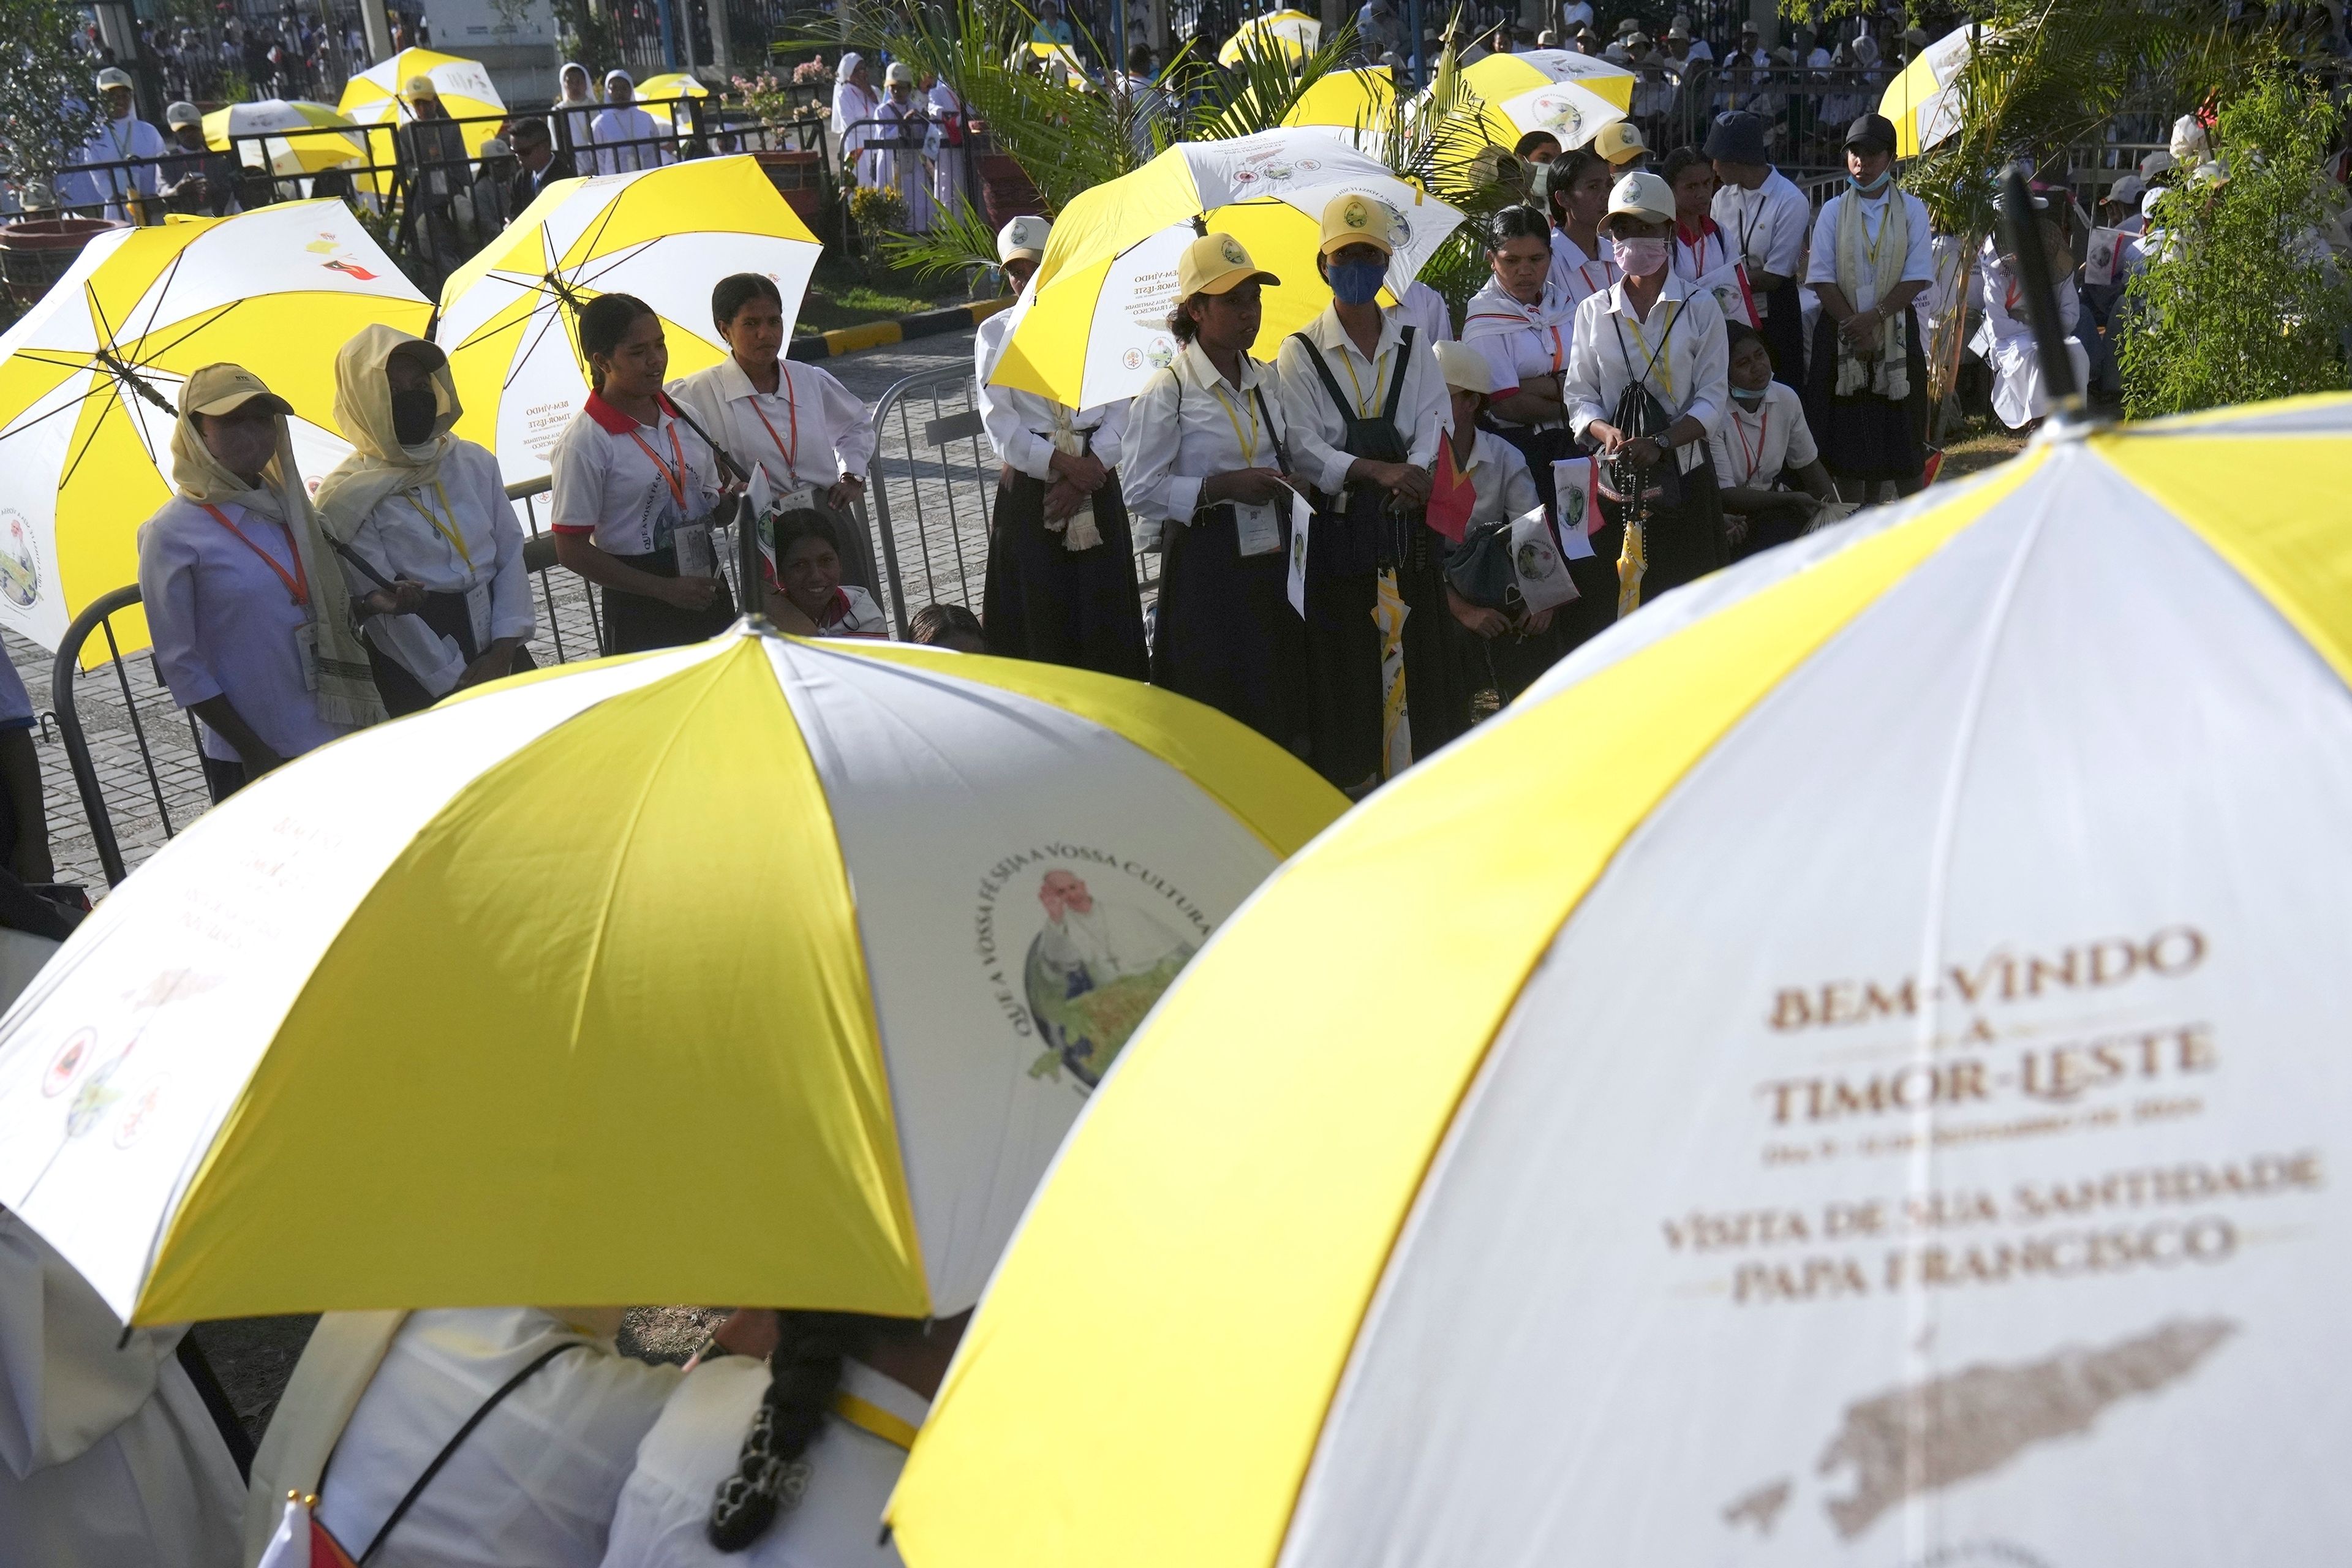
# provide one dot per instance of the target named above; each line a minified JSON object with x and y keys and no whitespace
{"x":1659,"y":361}
{"x":870,"y":1418}
{"x":1698,"y":247}
{"x":447,"y":530}
{"x":298,"y":584}
{"x":675,"y":481}
{"x":1380,"y":373}
{"x":1757,"y":456}
{"x":792,"y":454}
{"x":1249,"y":446}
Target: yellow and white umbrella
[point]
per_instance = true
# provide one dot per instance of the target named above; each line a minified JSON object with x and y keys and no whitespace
{"x":658,"y":95}
{"x":1924,"y":102}
{"x":1494,"y":78}
{"x":1093,"y":327}
{"x":1359,"y":99}
{"x":374,"y":97}
{"x":1281,"y":35}
{"x":310,"y":146}
{"x":850,"y":927}
{"x":1568,"y":110}
{"x":1848,"y":1071}
{"x":667,"y":235}
{"x":90,"y":375}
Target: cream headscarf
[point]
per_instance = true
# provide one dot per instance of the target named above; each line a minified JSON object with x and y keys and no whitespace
{"x":347,"y":693}
{"x":847,"y":111}
{"x":380,"y":466}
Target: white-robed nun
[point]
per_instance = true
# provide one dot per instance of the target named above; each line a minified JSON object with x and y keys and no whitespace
{"x":852,"y":111}
{"x":573,"y":118}
{"x":377,"y":1397}
{"x":2004,"y":338}
{"x":627,"y":138}
{"x":107,"y":1456}
{"x":901,"y":163}
{"x":414,"y":502}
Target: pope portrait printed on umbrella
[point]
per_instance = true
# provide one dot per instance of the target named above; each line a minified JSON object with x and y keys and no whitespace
{"x":1092,"y":974}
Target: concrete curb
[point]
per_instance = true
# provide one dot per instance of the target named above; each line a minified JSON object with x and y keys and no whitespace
{"x":874,"y":334}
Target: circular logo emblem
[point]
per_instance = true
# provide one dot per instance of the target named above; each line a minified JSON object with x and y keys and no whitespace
{"x":1356,"y":217}
{"x":67,"y":1063}
{"x":20,"y":560}
{"x":1305,"y":166}
{"x":1235,"y":254}
{"x":1163,"y":353}
{"x":1132,"y":359}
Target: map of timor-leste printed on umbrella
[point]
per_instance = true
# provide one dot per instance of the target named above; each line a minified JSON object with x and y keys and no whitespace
{"x":509,"y":317}
{"x":89,"y":380}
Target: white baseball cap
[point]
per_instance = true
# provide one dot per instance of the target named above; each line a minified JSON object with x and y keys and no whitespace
{"x":113,"y":77}
{"x":1642,"y":195}
{"x":181,"y":114}
{"x":1022,"y":238}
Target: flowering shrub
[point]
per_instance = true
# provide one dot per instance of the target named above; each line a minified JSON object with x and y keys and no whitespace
{"x":812,"y":74}
{"x":765,"y":95}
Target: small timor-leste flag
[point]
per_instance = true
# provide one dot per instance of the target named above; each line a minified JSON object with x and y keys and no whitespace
{"x":1451,"y":496}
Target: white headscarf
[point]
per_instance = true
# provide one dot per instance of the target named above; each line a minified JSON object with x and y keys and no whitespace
{"x":588,"y":92}
{"x":844,"y":111}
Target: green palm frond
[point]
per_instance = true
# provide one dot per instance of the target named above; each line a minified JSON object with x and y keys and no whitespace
{"x":1261,"y":88}
{"x":959,"y":245}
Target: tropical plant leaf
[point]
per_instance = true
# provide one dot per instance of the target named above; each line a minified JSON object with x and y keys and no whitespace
{"x":960,"y":244}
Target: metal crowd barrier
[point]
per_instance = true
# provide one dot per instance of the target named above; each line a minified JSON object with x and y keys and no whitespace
{"x":933,"y":487}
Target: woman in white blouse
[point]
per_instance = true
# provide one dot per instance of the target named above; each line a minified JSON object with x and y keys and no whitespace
{"x":637,"y":493}
{"x":414,"y":502}
{"x":1208,"y":454}
{"x":1645,"y":385}
{"x":627,"y":138}
{"x":1524,"y":321}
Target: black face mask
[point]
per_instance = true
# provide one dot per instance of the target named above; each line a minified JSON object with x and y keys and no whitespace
{"x":412,"y":415}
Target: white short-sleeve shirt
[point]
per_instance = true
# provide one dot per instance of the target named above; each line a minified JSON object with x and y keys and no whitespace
{"x":1768,"y":224}
{"x":1918,"y":262}
{"x":1755,"y":448}
{"x":621,"y":482}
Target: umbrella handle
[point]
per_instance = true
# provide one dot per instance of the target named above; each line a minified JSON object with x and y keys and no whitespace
{"x":2033,"y":280}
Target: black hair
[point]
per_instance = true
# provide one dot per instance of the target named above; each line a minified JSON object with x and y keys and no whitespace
{"x":1531,"y":141}
{"x":936,"y":622}
{"x":803,"y":1377}
{"x":1520,"y":223}
{"x":739,"y":290}
{"x":1138,"y":58}
{"x":1678,"y":160}
{"x":803,"y":523}
{"x":604,"y":323}
{"x":1181,"y":324}
{"x":533,"y":131}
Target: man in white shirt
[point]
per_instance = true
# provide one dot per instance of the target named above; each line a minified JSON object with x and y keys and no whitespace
{"x":1761,"y":438}
{"x":1061,"y":556}
{"x":1766,"y":218}
{"x":122,"y":140}
{"x":1363,"y":399}
{"x":1866,"y":382}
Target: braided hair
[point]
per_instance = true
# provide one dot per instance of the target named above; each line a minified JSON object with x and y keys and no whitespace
{"x":803,"y":1376}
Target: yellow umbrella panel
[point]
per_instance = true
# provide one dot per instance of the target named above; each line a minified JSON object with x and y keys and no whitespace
{"x":1346,"y":100}
{"x":1866,"y":1086}
{"x":375,"y":98}
{"x":1923,"y":102}
{"x":666,"y":236}
{"x":658,"y":95}
{"x":91,"y":376}
{"x":1282,"y":35}
{"x":851,"y":928}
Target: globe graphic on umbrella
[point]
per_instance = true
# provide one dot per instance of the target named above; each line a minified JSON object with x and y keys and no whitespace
{"x":1092,"y":974}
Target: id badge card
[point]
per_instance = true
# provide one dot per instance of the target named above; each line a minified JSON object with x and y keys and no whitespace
{"x":305,"y":653}
{"x":478,"y":613}
{"x":1259,"y":529}
{"x":797,"y":497}
{"x":695,"y":558}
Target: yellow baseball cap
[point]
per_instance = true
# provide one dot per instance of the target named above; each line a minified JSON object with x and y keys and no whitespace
{"x":418,"y":87}
{"x":221,"y":388}
{"x":1216,"y":264}
{"x":1354,"y":219}
{"x":1620,"y":143}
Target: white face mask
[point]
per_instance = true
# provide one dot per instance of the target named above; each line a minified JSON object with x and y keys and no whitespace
{"x":1639,"y":258}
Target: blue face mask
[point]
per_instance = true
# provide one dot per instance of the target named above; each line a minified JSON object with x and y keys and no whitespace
{"x":1357,"y":282}
{"x":1873,"y":187}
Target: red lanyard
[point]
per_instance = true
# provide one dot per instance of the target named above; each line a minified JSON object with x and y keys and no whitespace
{"x":1698,"y":247}
{"x":791,"y":413}
{"x":677,"y":480}
{"x":1757,"y":456}
{"x":297,"y":586}
{"x":1558,"y":350}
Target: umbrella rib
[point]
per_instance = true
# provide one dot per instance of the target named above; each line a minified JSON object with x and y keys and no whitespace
{"x":65,"y":407}
{"x":163,"y":289}
{"x":96,"y":425}
{"x":554,"y":314}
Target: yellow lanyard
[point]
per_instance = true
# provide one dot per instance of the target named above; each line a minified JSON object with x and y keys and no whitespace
{"x":447,"y":530}
{"x":1379,"y":374}
{"x":1663,"y":363}
{"x":868,"y":1416}
{"x":1248,"y":446}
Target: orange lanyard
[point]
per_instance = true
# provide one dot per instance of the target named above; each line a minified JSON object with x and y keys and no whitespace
{"x":1757,"y":456}
{"x":675,"y":480}
{"x":1698,"y":247}
{"x":298,"y":585}
{"x":793,"y":416}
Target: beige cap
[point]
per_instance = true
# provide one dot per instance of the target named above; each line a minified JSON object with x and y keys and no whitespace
{"x":1356,"y":219}
{"x":221,"y":388}
{"x":1466,"y":368}
{"x":1620,"y":143}
{"x":1641,"y":195}
{"x":179,"y":115}
{"x":418,"y":87}
{"x":1025,"y":236}
{"x":1216,"y":264}
{"x":113,"y":77}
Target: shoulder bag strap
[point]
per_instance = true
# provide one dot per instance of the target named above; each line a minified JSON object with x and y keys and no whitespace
{"x":1323,"y":374}
{"x":1281,"y":457}
{"x":400,"y":1507}
{"x":1396,"y":384}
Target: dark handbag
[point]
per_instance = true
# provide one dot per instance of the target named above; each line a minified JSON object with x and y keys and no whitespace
{"x":1658,"y":487}
{"x":1366,"y":534}
{"x":1479,"y":569}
